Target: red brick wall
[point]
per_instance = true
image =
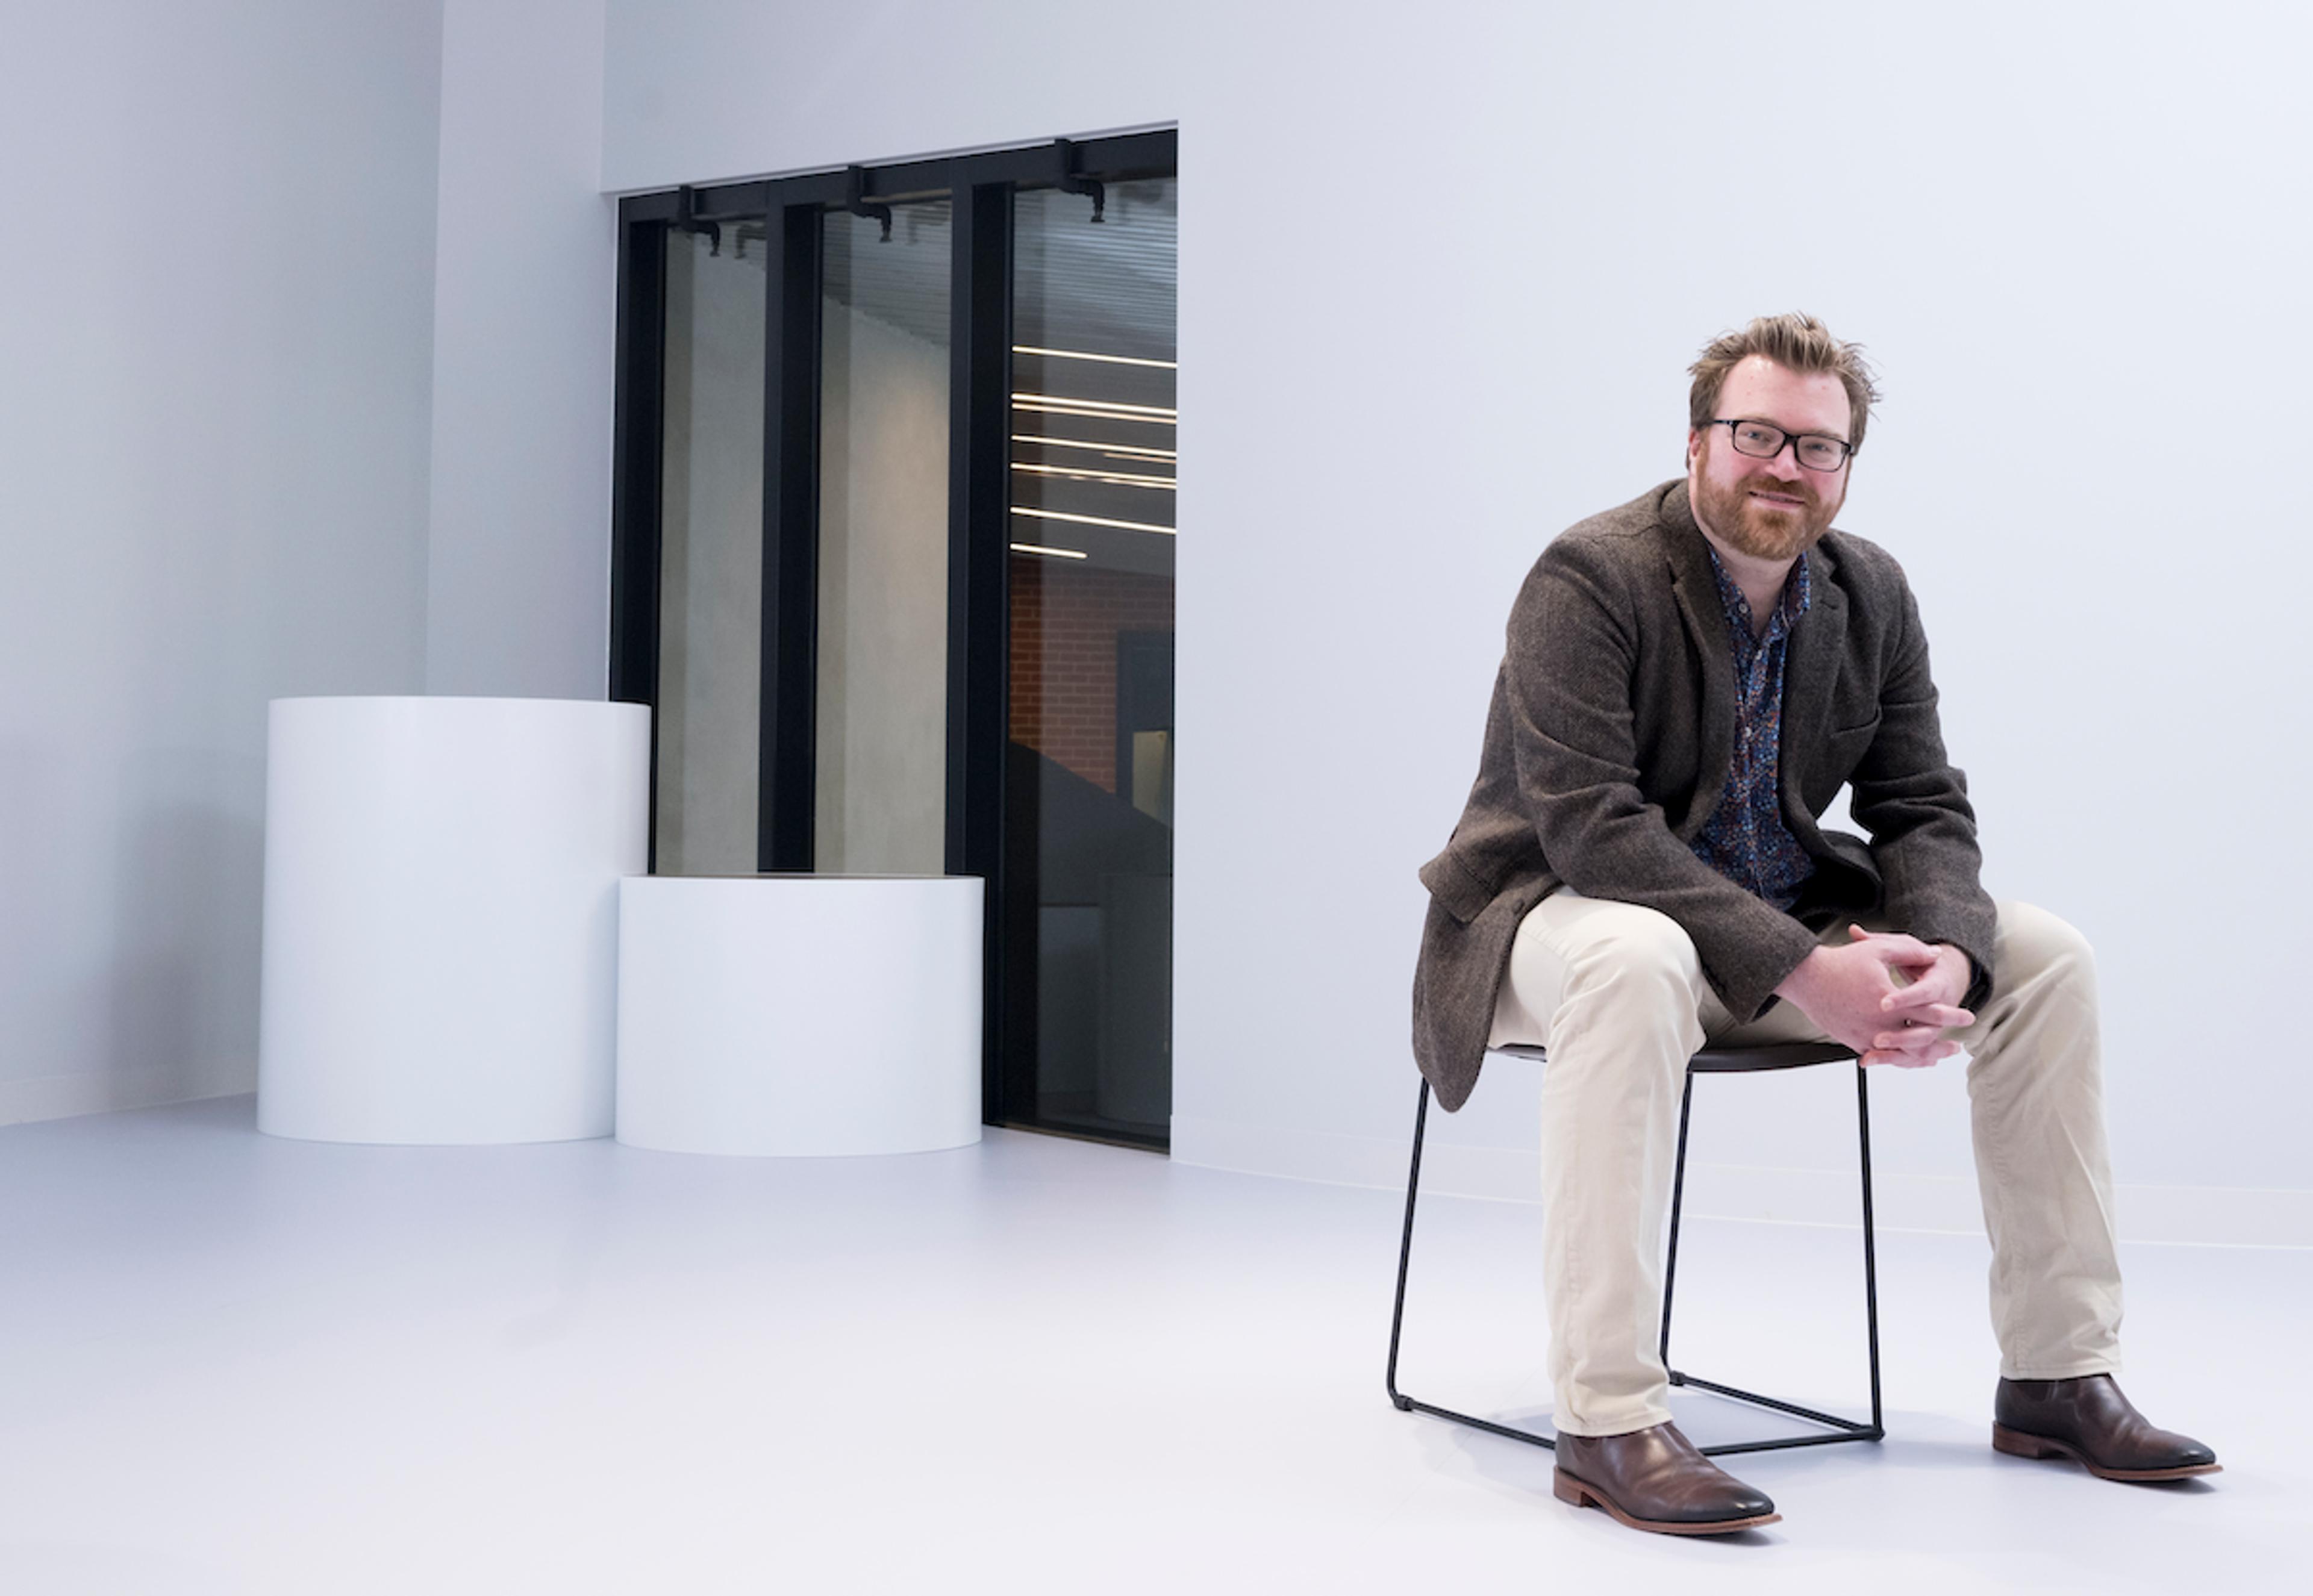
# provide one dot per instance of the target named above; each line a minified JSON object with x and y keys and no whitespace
{"x":1065,"y":619}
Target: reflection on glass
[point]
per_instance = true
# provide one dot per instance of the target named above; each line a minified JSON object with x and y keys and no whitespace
{"x":882,"y":717}
{"x":712,"y":555}
{"x":1090,"y":781}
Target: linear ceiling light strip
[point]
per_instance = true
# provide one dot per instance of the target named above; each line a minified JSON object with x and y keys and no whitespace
{"x":1122,"y":479}
{"x":1095,"y":415}
{"x":1119,"y":450}
{"x":1130,"y":526}
{"x":1162,"y":366}
{"x":1167,"y":411}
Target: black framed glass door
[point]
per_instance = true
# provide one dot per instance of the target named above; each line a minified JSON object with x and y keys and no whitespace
{"x":957,"y":649}
{"x":1089,"y":810}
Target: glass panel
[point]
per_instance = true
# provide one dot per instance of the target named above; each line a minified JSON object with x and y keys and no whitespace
{"x":882,"y":718}
{"x":711,"y":554}
{"x":1090,"y":713}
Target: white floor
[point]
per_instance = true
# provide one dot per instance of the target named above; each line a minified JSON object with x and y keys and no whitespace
{"x":234,"y":1363}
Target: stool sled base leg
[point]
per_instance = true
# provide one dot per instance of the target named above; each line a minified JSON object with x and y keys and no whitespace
{"x":1838,"y":1429}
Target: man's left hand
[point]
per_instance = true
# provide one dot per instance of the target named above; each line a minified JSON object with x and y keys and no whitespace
{"x":1919,"y":1012}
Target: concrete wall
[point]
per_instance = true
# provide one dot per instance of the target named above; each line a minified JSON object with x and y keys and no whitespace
{"x":882,"y":722}
{"x":1441,"y":273}
{"x":711,"y":562}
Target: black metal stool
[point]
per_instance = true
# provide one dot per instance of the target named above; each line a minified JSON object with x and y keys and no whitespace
{"x":1710,"y":1061}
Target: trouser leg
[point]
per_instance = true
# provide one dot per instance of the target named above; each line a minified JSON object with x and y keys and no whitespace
{"x":2035,"y":1096}
{"x":1614,"y":992}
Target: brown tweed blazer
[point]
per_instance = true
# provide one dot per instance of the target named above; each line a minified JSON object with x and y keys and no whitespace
{"x":1607,"y":745}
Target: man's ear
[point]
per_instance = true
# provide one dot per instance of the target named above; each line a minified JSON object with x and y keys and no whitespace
{"x":1693,"y":445}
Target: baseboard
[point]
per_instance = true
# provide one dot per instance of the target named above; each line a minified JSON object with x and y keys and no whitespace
{"x":63,"y":1097}
{"x":2192,"y":1215}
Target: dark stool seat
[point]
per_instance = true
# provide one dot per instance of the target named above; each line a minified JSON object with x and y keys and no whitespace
{"x":1710,"y":1061}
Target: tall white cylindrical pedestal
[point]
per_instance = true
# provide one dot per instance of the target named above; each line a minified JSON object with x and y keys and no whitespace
{"x":797,"y":1014}
{"x":441,"y":916}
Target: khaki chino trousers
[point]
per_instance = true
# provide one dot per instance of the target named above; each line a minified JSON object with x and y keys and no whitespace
{"x":1616,"y":992}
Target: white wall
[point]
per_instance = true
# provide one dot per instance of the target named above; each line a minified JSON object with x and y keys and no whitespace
{"x":1441,"y":271}
{"x":237,"y":440}
{"x":518,"y":590}
{"x":214,"y":346}
{"x":1440,"y":275}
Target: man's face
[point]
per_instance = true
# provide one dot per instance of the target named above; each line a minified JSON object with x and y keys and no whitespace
{"x":1768,"y":508}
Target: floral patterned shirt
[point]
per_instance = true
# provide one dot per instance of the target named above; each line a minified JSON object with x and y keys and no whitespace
{"x":1745,"y":840}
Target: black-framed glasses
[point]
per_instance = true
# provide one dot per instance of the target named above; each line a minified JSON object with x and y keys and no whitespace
{"x":1763,"y":439}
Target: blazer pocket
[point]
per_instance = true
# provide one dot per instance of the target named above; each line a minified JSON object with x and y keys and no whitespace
{"x":1843,"y":748}
{"x":1848,"y":743}
{"x":1454,"y":888}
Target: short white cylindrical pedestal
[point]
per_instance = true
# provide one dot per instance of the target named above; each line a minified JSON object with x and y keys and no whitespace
{"x":441,"y":904}
{"x":799,"y":1014}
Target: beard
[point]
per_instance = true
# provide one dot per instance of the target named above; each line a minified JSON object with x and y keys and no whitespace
{"x":1762,"y":530}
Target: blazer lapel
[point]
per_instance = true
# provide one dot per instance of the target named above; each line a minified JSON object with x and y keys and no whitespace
{"x":1696,"y":590}
{"x":1810,"y":670}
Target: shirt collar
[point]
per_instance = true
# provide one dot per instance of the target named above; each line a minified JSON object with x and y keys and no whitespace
{"x":1798,"y":593}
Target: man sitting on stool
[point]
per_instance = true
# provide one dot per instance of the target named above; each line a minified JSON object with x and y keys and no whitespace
{"x":1690,"y":680}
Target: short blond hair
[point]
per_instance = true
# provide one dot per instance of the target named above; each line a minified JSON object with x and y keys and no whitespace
{"x":1797,"y":342}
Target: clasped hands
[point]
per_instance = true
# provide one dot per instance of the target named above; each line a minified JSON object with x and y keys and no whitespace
{"x":1889,"y":996}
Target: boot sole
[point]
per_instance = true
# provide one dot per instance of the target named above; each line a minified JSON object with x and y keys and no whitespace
{"x":2016,"y":1443}
{"x":1575,"y":1493}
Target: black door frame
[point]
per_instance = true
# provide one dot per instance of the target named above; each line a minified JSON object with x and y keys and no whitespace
{"x":784,"y":216}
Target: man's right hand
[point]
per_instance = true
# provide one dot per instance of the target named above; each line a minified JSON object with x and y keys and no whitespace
{"x":1844,"y":989}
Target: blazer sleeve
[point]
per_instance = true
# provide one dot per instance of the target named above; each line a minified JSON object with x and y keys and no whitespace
{"x":1912,"y":802}
{"x":1569,"y":672}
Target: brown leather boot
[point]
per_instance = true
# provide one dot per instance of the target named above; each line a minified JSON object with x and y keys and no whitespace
{"x":1654,"y":1479}
{"x":2088,"y":1421}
